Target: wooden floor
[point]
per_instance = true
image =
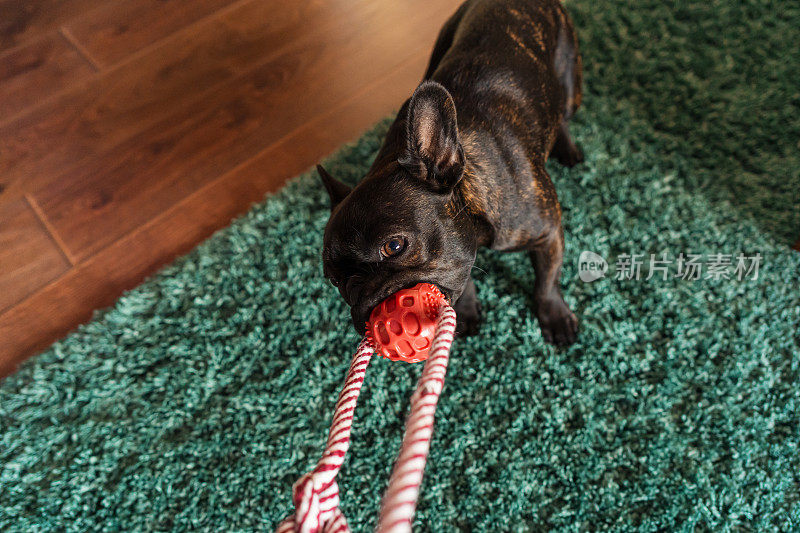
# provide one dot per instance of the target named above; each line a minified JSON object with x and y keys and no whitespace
{"x":130,"y":130}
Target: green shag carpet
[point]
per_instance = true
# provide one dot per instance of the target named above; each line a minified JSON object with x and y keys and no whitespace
{"x":197,"y":400}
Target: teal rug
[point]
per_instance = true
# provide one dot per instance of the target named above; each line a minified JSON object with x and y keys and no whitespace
{"x":197,"y":400}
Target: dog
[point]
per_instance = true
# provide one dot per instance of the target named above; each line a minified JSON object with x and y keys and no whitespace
{"x":463,"y":166}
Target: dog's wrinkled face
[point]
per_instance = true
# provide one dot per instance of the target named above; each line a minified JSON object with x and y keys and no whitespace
{"x":397,"y":227}
{"x":389,"y":234}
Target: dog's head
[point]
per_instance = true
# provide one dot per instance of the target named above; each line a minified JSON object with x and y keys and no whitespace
{"x":399,"y":227}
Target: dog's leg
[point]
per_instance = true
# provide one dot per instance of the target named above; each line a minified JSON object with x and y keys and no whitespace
{"x":559,"y":325}
{"x":569,"y":71}
{"x":468,"y":311}
{"x":564,"y":150}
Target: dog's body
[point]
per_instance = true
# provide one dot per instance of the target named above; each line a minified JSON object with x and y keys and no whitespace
{"x":463,"y":166}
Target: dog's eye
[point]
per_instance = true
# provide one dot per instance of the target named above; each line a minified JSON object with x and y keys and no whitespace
{"x":393,"y":247}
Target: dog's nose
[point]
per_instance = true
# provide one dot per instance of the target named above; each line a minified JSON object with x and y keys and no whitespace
{"x":352,"y":290}
{"x":348,"y":289}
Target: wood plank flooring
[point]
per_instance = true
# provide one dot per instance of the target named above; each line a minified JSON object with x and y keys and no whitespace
{"x":120,"y":120}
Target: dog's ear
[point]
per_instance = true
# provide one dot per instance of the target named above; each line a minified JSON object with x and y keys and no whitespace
{"x":336,"y":189}
{"x":433,"y":150}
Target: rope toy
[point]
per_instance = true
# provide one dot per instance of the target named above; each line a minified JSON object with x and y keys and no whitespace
{"x":412,"y":325}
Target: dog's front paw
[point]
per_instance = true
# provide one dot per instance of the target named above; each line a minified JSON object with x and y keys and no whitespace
{"x":559,"y":325}
{"x":570,"y":156}
{"x":468,"y":320}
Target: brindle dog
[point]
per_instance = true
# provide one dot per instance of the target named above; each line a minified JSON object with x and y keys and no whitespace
{"x":463,"y":166}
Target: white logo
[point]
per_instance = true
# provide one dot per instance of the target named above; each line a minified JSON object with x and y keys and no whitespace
{"x":591,"y":266}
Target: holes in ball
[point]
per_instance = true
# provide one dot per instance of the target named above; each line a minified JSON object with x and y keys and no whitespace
{"x":411,"y":323}
{"x":404,"y":348}
{"x":395,"y":327}
{"x":389,"y":305}
{"x":407,"y":301}
{"x":383,"y":335}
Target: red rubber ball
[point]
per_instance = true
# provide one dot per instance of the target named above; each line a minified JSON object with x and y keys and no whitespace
{"x":402,"y":326}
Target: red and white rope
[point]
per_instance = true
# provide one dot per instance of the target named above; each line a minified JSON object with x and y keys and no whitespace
{"x":316,"y":494}
{"x":400,"y":499}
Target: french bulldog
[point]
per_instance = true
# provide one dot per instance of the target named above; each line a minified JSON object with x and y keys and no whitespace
{"x":463,"y":166}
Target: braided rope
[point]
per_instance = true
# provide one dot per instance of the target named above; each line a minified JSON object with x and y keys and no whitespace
{"x":316,"y":494}
{"x":400,"y":499}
